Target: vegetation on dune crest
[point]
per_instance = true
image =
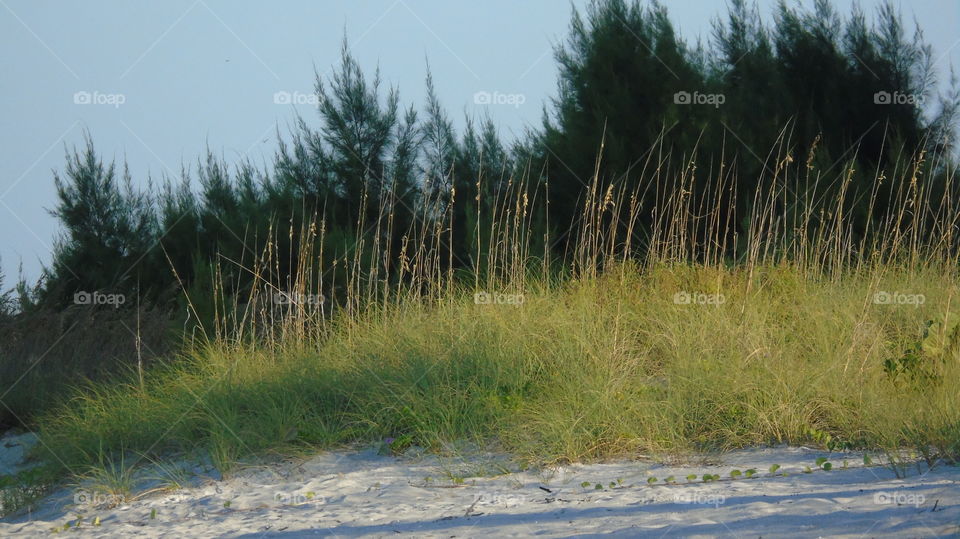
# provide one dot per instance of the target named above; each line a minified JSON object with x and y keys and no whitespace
{"x":816,"y":337}
{"x":582,"y":370}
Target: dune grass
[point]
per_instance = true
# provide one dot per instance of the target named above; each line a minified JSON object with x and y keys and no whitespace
{"x":612,"y":366}
{"x":798,"y":332}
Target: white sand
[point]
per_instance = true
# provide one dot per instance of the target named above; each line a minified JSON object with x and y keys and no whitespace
{"x":354,"y":494}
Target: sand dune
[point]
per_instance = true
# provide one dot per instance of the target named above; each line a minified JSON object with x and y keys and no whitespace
{"x":364,"y":494}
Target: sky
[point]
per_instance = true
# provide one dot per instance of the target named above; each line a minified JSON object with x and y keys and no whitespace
{"x":155,"y":83}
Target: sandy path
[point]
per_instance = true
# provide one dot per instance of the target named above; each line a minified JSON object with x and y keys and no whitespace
{"x":362,"y":494}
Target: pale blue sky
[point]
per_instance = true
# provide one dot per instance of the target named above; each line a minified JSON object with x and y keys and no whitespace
{"x":193,"y":72}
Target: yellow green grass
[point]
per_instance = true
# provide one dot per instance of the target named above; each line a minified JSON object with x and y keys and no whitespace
{"x":814,"y":335}
{"x":609,"y":366}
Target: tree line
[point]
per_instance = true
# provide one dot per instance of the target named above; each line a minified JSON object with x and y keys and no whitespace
{"x":635,"y":103}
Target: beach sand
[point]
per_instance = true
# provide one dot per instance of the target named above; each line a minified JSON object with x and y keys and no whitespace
{"x":361,"y":493}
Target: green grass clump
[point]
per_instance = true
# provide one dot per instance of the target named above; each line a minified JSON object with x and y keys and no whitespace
{"x":24,"y":489}
{"x":584,"y":369}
